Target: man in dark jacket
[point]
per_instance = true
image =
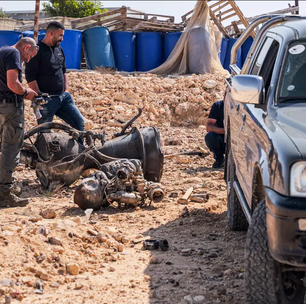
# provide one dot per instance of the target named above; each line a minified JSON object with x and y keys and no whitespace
{"x":215,"y":136}
{"x":12,"y":94}
{"x":46,"y":73}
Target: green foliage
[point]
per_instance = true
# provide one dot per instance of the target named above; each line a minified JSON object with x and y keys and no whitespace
{"x":73,"y":8}
{"x":2,"y":14}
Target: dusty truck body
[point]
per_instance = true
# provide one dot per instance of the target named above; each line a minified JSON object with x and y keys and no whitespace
{"x":265,"y":125}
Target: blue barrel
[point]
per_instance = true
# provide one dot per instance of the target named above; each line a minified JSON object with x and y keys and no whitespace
{"x":245,"y":49}
{"x":98,"y":48}
{"x":227,"y":59}
{"x":149,"y":50}
{"x":222,"y":54}
{"x":124,"y":50}
{"x":41,"y":34}
{"x":170,"y":40}
{"x":72,"y":46}
{"x":9,"y":37}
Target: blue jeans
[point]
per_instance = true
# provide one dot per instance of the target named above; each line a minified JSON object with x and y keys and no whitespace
{"x":215,"y":143}
{"x":64,"y":107}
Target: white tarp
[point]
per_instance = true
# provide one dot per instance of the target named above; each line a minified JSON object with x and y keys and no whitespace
{"x":196,"y":50}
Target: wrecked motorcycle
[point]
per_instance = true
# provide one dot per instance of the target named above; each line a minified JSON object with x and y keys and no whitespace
{"x":60,"y":158}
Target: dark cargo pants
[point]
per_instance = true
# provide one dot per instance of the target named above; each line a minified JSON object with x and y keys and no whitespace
{"x":215,"y":143}
{"x":11,"y":140}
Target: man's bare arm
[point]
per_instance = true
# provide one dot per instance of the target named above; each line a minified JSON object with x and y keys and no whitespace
{"x":13,"y":82}
{"x":211,"y":126}
{"x":66,"y":83}
{"x":16,"y":86}
{"x":34,"y":86}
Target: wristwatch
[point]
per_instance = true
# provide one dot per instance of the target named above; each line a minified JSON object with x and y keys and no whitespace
{"x":25,"y":93}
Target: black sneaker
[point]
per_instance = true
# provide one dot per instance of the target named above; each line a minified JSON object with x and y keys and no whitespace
{"x":8,"y":199}
{"x":218,"y":164}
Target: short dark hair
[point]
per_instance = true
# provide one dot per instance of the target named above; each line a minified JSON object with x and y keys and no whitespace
{"x":55,"y":25}
{"x":26,"y":40}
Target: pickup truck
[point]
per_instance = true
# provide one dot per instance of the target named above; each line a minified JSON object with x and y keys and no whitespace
{"x":265,"y":171}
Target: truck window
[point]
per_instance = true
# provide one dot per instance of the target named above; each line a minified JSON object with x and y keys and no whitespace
{"x":292,"y":81}
{"x":261,"y":56}
{"x":265,"y":62}
{"x":267,"y":67}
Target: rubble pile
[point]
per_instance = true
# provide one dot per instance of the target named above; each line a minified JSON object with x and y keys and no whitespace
{"x":51,"y":252}
{"x":110,"y":100}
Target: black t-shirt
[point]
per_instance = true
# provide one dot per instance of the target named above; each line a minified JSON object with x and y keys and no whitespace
{"x":47,"y":68}
{"x":9,"y":60}
{"x":217,"y":112}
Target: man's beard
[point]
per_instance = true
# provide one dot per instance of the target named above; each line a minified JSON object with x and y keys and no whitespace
{"x":56,"y":43}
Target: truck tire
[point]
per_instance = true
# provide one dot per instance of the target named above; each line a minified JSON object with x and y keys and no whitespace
{"x":235,"y":216}
{"x":265,"y":282}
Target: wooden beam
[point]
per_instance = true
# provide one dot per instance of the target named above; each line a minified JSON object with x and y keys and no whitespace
{"x":297,"y":5}
{"x":36,"y":21}
{"x":235,"y":27}
{"x":217,"y":3}
{"x":222,"y":6}
{"x":229,"y":16}
{"x":278,"y":12}
{"x":102,"y":15}
{"x":98,"y":23}
{"x":225,"y":12}
{"x":184,"y":16}
{"x":217,"y":23}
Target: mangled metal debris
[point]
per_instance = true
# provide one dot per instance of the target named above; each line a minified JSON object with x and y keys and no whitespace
{"x":120,"y":181}
{"x":129,"y":165}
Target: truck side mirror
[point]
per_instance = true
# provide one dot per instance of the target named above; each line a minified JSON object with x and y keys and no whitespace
{"x":247,"y":89}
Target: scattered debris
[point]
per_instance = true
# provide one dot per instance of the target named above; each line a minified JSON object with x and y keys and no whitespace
{"x":185,"y":197}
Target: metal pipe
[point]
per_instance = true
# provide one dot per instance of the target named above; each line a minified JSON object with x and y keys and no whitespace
{"x":274,"y":19}
{"x":243,"y":38}
{"x":36,"y":20}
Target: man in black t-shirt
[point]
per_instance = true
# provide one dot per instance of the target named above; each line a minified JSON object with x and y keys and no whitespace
{"x":215,"y":136}
{"x":12,"y":94}
{"x":46,"y":73}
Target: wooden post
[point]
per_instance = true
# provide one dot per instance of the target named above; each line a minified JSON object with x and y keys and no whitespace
{"x":36,"y":20}
{"x":297,"y":4}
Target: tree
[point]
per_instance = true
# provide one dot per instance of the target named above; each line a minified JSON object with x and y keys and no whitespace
{"x":2,"y":13}
{"x":73,"y":8}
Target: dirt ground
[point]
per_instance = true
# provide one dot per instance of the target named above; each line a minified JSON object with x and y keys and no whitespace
{"x":71,"y":259}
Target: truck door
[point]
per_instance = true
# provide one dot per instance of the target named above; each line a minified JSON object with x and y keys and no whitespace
{"x":251,"y":134}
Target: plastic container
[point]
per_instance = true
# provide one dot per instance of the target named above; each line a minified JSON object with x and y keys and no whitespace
{"x":41,"y":34}
{"x":98,"y":48}
{"x":245,"y":49}
{"x":9,"y":37}
{"x":72,"y":46}
{"x":170,"y":40}
{"x":227,"y":58}
{"x":124,"y":50}
{"x":149,"y":51}
{"x":222,"y":54}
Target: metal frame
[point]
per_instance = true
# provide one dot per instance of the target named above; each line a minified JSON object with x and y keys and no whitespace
{"x":272,"y":20}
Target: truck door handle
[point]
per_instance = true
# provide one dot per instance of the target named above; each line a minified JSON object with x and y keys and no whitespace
{"x":238,"y":107}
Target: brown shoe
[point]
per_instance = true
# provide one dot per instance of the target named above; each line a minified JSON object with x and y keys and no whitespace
{"x":8,"y":199}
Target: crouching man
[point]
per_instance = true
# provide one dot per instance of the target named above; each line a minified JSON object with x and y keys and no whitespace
{"x":215,"y":137}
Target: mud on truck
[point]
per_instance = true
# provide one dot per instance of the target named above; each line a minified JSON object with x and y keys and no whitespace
{"x":265,"y":126}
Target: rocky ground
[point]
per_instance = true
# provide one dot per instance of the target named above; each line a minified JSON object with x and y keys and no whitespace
{"x":50,"y":252}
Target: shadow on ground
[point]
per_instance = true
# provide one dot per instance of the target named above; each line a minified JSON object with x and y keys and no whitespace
{"x":205,"y":259}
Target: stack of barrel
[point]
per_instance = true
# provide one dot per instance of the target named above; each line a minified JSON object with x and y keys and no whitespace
{"x":127,"y":51}
{"x":124,"y":51}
